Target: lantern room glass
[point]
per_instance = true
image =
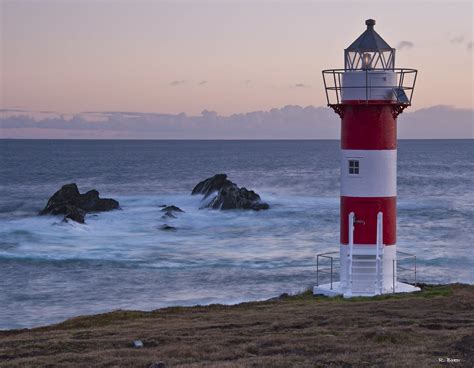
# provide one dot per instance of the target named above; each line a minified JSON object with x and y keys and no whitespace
{"x":366,"y":60}
{"x":369,"y":51}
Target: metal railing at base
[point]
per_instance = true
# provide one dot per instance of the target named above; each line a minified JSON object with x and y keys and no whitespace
{"x":328,"y":261}
{"x":402,"y":268}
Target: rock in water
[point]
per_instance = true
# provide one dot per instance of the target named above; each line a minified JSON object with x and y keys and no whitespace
{"x":229,"y":195}
{"x":90,"y":202}
{"x":74,"y":205}
{"x":211,"y":185}
{"x":171,"y":208}
{"x":166,"y":227}
{"x":168,"y":215}
{"x":75,"y":214}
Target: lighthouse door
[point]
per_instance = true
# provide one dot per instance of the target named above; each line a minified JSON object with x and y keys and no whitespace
{"x":365,"y":222}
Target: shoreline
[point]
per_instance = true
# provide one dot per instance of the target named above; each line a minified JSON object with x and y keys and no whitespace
{"x":392,"y":330}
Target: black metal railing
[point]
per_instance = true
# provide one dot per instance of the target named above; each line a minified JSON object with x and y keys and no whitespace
{"x":326,"y":264}
{"x":406,"y":267}
{"x":402,"y":91}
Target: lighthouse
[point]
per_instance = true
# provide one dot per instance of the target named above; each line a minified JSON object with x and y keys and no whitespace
{"x":368,"y":95}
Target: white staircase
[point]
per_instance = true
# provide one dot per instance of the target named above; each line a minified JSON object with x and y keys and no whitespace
{"x":365,"y":263}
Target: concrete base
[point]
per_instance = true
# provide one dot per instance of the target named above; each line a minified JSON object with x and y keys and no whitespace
{"x":336,"y":290}
{"x":326,"y":289}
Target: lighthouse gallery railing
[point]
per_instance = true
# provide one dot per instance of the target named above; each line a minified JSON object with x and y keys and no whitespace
{"x":402,"y":90}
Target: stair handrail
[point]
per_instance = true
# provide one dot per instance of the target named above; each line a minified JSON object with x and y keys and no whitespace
{"x":379,"y":247}
{"x":351,"y":244}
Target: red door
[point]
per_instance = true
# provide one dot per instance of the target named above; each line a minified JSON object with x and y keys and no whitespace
{"x":365,"y":221}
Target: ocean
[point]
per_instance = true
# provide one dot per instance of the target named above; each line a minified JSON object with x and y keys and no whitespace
{"x":51,"y":271}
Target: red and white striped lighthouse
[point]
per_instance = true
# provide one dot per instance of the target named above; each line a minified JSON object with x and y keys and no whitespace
{"x":368,"y":94}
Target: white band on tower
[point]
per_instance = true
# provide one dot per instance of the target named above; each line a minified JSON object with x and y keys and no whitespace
{"x":369,"y":173}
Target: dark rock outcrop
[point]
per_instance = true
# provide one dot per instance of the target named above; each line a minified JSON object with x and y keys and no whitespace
{"x":73,"y":213}
{"x":228,"y":195}
{"x":168,"y":215}
{"x":171,"y":209}
{"x":211,"y":185}
{"x":73,"y":205}
{"x":167,"y":227}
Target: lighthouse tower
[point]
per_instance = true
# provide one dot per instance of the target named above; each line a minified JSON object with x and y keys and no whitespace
{"x":368,"y":95}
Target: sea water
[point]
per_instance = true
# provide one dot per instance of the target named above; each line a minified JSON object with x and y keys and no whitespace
{"x":51,"y":270}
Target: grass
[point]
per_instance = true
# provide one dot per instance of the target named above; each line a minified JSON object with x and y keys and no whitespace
{"x":398,"y":330}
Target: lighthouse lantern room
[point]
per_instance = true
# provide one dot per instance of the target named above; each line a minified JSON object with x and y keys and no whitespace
{"x":368,"y":95}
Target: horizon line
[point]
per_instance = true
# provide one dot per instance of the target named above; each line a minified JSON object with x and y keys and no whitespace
{"x":219,"y":139}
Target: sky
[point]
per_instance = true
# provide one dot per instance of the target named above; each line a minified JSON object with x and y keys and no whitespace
{"x":65,"y":59}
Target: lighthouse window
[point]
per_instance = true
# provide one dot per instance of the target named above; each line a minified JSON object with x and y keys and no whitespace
{"x":354,"y":167}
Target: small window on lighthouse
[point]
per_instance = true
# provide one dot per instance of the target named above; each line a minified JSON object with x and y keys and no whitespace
{"x":354,"y":167}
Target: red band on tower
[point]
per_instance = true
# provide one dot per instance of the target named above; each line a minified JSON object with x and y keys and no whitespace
{"x":370,"y":127}
{"x":365,"y":210}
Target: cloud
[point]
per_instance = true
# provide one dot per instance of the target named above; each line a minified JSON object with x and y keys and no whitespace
{"x":405,"y":45}
{"x":177,"y":82}
{"x":288,"y":122}
{"x":13,"y":110}
{"x":17,"y":110}
{"x":209,"y":115}
{"x":202,"y":83}
{"x":301,"y":85}
{"x":460,"y":40}
{"x":437,"y":122}
{"x":457,"y":39}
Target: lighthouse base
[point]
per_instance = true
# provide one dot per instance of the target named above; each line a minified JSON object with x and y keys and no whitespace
{"x":336,"y":290}
{"x":365,"y":270}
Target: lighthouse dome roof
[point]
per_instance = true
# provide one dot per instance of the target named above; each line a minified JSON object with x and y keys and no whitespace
{"x":369,"y":41}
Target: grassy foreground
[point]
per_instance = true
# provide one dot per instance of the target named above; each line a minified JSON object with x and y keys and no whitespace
{"x":411,"y":330}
